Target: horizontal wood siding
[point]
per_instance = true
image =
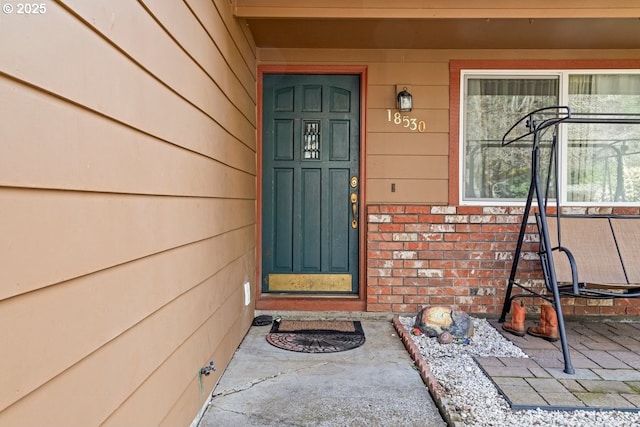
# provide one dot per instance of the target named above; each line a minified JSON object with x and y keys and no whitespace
{"x":127,"y":192}
{"x":404,"y":166}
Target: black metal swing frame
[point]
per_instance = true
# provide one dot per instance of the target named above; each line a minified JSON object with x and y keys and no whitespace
{"x":537,"y":123}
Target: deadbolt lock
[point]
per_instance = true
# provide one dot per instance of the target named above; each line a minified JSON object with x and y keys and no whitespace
{"x":354,"y":181}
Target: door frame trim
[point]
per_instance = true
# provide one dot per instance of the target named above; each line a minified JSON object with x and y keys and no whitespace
{"x":314,"y":303}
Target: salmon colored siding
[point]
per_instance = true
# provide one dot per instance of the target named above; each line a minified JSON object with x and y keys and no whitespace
{"x":127,"y":192}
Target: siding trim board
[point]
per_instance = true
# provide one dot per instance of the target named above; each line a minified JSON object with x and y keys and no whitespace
{"x":418,"y":9}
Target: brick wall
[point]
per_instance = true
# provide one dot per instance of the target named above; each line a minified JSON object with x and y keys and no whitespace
{"x":460,"y":256}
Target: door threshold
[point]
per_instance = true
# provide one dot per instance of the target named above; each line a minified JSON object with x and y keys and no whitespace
{"x":309,"y":295}
{"x":328,"y":315}
{"x":310,"y":302}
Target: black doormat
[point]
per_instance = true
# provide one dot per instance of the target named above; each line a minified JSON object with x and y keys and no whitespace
{"x":316,"y":336}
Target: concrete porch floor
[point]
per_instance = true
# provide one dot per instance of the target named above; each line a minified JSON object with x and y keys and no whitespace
{"x":376,"y":384}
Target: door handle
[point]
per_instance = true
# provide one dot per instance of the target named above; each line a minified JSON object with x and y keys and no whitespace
{"x":354,"y":210}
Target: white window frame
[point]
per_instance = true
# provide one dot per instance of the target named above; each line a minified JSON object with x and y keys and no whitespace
{"x":563,"y":97}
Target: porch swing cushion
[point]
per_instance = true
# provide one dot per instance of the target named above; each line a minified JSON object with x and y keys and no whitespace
{"x":603,"y":249}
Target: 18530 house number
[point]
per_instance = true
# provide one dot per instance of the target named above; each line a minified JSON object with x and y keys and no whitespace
{"x":403,"y":120}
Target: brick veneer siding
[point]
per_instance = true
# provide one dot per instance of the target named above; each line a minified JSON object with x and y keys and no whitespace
{"x":460,"y":256}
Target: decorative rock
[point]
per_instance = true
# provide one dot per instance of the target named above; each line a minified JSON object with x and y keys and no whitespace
{"x":445,"y":338}
{"x":462,"y":326}
{"x":433,"y":321}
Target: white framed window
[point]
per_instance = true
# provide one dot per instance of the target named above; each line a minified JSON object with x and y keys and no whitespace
{"x":600,"y":163}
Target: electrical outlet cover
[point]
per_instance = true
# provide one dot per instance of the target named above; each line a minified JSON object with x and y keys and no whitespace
{"x":247,"y":293}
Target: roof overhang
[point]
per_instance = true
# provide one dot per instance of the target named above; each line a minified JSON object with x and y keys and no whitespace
{"x":443,"y":24}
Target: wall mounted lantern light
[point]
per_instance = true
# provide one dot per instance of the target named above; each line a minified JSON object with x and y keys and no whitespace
{"x":405,"y":103}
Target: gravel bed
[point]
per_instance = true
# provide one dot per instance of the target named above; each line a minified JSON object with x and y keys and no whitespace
{"x":474,"y":398}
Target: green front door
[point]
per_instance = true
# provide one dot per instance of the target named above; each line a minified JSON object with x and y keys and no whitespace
{"x":311,"y":134}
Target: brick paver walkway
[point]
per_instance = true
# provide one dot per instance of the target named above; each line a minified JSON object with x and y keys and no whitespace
{"x":606,"y":358}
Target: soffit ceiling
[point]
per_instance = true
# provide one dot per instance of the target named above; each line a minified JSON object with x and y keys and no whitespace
{"x":442,"y":24}
{"x":444,"y":33}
